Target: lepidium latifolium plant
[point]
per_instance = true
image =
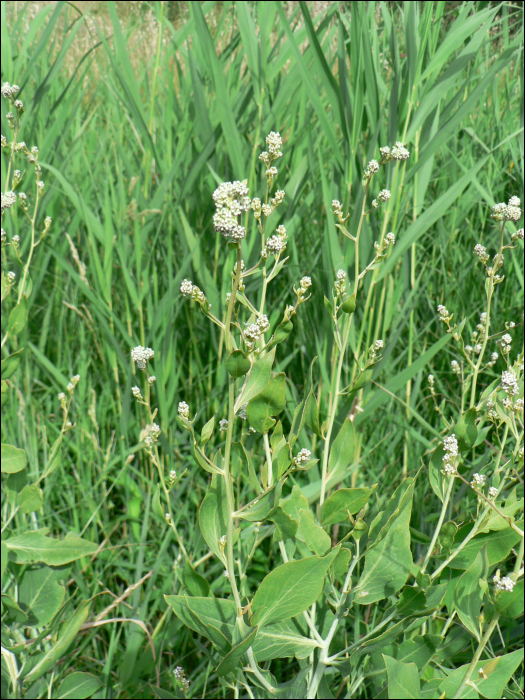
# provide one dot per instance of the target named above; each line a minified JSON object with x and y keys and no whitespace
{"x":480,"y":465}
{"x":33,"y":564}
{"x":260,"y":509}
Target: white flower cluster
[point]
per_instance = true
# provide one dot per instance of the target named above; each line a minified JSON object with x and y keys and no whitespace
{"x":450,"y":447}
{"x":340,"y":282}
{"x":273,"y":143}
{"x":518,"y":234}
{"x":455,"y":367}
{"x":337,"y":208}
{"x":493,"y":492}
{"x":253,"y":331}
{"x":382,"y":197}
{"x":135,"y":390}
{"x":72,"y":383}
{"x":509,"y":382}
{"x":375,"y":349}
{"x":223,"y":425}
{"x":398,"y":152}
{"x":242,"y":412}
{"x":505,"y":343}
{"x":9,"y":91}
{"x":191,"y":291}
{"x":263,"y":323}
{"x":8,"y":199}
{"x":231,"y":199}
{"x":142,"y":356}
{"x":507,"y":212}
{"x":390,"y":238}
{"x":277,"y":243}
{"x":478,"y":481}
{"x":173,"y":476}
{"x":153,"y":432}
{"x":180,"y":675}
{"x":504,"y":583}
{"x":183,"y":410}
{"x":371,"y":168}
{"x":304,"y":284}
{"x":302,"y":457}
{"x":444,"y":314}
{"x":481,"y":252}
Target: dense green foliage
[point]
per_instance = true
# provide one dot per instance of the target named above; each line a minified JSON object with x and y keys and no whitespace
{"x":138,"y":119}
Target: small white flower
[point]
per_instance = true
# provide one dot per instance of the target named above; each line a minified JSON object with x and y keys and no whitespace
{"x":493,"y":492}
{"x":141,"y":356}
{"x":223,"y":425}
{"x":391,"y":238}
{"x":263,"y":323}
{"x":478,"y":480}
{"x":135,"y":390}
{"x":509,"y":382}
{"x":152,"y":379}
{"x":455,"y":367}
{"x":303,"y":456}
{"x":341,"y":275}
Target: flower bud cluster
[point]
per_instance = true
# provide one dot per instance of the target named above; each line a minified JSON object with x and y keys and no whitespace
{"x":375,"y":350}
{"x":231,"y":199}
{"x":481,"y":252}
{"x":431,"y":382}
{"x":507,"y":212}
{"x":397,"y":152}
{"x":382,"y":197}
{"x":183,"y":410}
{"x":517,"y":235}
{"x":505,"y":343}
{"x":254,"y":331}
{"x":276,"y":244}
{"x":340,"y":283}
{"x":454,"y":365}
{"x":191,"y":291}
{"x":304,"y":284}
{"x":509,"y":382}
{"x":478,"y":481}
{"x":152,"y":435}
{"x":504,"y":583}
{"x":451,"y":449}
{"x":180,"y":675}
{"x":141,"y":356}
{"x":72,"y":383}
{"x":223,"y":425}
{"x":273,"y":143}
{"x":380,"y":248}
{"x":302,"y":457}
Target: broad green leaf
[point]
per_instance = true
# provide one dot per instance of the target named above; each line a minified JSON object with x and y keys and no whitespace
{"x":341,"y":562}
{"x":78,"y":685}
{"x":18,"y":317}
{"x":293,"y":504}
{"x":403,"y":679}
{"x":33,"y":547}
{"x":282,"y":640}
{"x":30,"y":499}
{"x":510,"y":604}
{"x":388,"y":559}
{"x":315,"y":538}
{"x":297,"y":688}
{"x":438,"y":481}
{"x":14,"y":611}
{"x":468,"y":595}
{"x":4,"y":557}
{"x":212,"y":517}
{"x":41,"y":594}
{"x":269,"y":402}
{"x":290,"y":589}
{"x":66,"y":636}
{"x":285,"y":526}
{"x":13,"y":459}
{"x":343,"y":449}
{"x":258,"y":377}
{"x":202,"y":614}
{"x":262,"y":507}
{"x":10,"y":363}
{"x":194,"y":582}
{"x":466,"y":431}
{"x":499,"y":671}
{"x":498,"y":544}
{"x":342,"y":502}
{"x":237,"y":364}
{"x":234,"y":656}
{"x":207,"y":431}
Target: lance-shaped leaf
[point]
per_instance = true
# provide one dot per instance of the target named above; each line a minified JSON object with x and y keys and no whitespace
{"x":214,"y":618}
{"x":33,"y":547}
{"x":281,"y":640}
{"x":258,"y":378}
{"x":10,"y":363}
{"x":41,"y":595}
{"x":234,"y":656}
{"x":290,"y":589}
{"x":388,"y":560}
{"x":18,"y":317}
{"x":343,"y":449}
{"x":468,"y":594}
{"x":466,"y":431}
{"x":315,"y":538}
{"x":213,"y":515}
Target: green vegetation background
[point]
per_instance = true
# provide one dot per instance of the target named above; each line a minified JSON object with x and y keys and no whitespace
{"x":139,"y":110}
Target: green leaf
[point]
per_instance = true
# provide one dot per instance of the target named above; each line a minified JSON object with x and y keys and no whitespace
{"x":41,"y":594}
{"x":510,"y":603}
{"x":285,"y":526}
{"x":342,"y":502}
{"x":290,"y":589}
{"x":234,"y":656}
{"x":79,"y":685}
{"x":18,"y":317}
{"x":311,"y":414}
{"x":33,"y":547}
{"x":14,"y":611}
{"x":315,"y":538}
{"x":237,"y":364}
{"x":343,"y":449}
{"x":269,"y":402}
{"x":340,"y":566}
{"x":499,"y":545}
{"x":258,"y":378}
{"x":468,"y":595}
{"x":466,"y":431}
{"x":388,"y":559}
{"x":66,"y":636}
{"x":202,"y":614}
{"x":296,"y":688}
{"x":282,"y":640}
{"x":282,"y":331}
{"x":403,"y":679}
{"x":194,"y":582}
{"x":207,"y":431}
{"x":10,"y":363}
{"x":13,"y":459}
{"x":293,"y":504}
{"x":213,"y":515}
{"x":499,"y":671}
{"x":30,"y":499}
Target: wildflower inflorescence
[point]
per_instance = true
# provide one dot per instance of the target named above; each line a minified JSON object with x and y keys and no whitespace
{"x":451,"y":449}
{"x":141,"y":356}
{"x":302,"y":457}
{"x":231,"y":200}
{"x":507,"y":212}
